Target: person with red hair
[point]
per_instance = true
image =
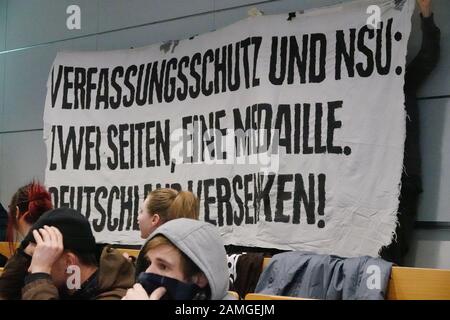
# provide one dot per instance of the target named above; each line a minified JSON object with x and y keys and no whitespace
{"x":27,"y":205}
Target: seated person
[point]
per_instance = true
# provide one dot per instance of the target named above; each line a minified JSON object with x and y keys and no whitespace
{"x":27,"y":205}
{"x":165,"y":204}
{"x":160,"y":206}
{"x":187,"y":261}
{"x":64,"y":265}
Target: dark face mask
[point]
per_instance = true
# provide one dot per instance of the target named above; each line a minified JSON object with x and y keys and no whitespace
{"x":176,"y":290}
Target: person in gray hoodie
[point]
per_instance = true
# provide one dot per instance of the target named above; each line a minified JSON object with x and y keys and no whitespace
{"x":187,"y":261}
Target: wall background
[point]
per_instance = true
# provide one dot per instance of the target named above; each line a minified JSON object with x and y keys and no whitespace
{"x":32,"y":31}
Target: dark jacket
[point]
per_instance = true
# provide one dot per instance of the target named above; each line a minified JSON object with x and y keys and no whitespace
{"x":114,"y":276}
{"x":416,"y":72}
{"x":14,"y":273}
{"x":245,"y":270}
{"x":141,"y":262}
{"x":411,"y":187}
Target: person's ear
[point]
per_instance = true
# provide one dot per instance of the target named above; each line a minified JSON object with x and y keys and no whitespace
{"x":70,"y":259}
{"x":17,"y":213}
{"x":200,"y":280}
{"x":156,"y":219}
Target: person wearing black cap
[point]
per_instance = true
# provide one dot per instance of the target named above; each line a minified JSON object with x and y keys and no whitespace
{"x":64,"y":264}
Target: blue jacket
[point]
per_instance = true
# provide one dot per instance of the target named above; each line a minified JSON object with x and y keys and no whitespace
{"x":309,"y":275}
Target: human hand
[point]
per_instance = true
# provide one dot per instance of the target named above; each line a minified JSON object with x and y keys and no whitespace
{"x":158,"y":293}
{"x":425,"y":7}
{"x":127,"y":256}
{"x":49,"y":247}
{"x":139,"y":293}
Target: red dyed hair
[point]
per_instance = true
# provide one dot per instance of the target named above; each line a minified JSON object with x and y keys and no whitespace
{"x":31,"y":200}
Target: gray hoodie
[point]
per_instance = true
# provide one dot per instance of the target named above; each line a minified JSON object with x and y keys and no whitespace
{"x":202,"y":243}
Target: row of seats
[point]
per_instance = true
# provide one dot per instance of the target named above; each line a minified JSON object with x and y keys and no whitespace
{"x":405,"y":283}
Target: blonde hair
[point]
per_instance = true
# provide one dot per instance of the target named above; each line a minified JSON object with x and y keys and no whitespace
{"x":171,"y":204}
{"x":157,"y":241}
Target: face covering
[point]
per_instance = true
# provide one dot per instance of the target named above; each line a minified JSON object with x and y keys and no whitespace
{"x":176,"y":290}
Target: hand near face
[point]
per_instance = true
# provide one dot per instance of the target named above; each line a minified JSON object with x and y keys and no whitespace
{"x":139,"y":293}
{"x":49,"y":247}
{"x":158,"y":293}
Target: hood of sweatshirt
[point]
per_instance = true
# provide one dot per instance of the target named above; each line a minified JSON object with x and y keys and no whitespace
{"x":202,"y":243}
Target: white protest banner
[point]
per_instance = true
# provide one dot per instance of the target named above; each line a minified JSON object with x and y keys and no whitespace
{"x":289,"y":128}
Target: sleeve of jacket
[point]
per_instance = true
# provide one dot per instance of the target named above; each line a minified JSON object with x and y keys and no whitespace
{"x":427,"y":58}
{"x":39,"y":286}
{"x":116,"y":294}
{"x":12,"y":279}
